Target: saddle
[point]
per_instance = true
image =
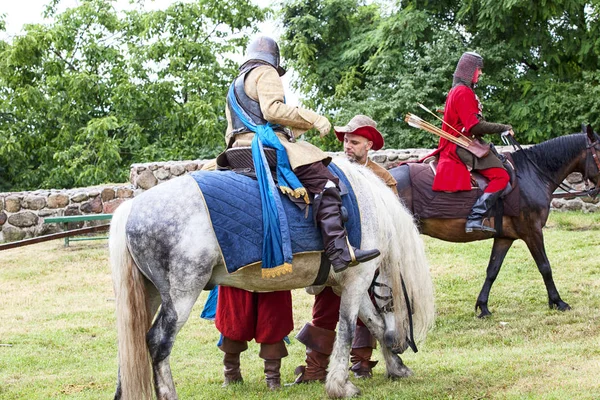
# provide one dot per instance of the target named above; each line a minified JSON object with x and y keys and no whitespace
{"x":414,"y":187}
{"x":239,"y":160}
{"x":480,"y":182}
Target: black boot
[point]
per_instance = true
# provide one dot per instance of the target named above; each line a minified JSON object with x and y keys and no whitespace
{"x":335,"y":240}
{"x":479,"y":212}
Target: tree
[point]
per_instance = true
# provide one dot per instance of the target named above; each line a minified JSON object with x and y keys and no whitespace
{"x":96,"y":90}
{"x":374,"y":58}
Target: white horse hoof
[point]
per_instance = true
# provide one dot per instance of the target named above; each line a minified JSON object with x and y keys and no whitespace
{"x":402,"y":372}
{"x":339,"y":392}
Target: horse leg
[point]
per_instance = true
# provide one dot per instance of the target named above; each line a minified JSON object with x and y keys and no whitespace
{"x":538,"y":251}
{"x":337,"y":384}
{"x":173,"y":314}
{"x":499,"y":250}
{"x":395,"y":367}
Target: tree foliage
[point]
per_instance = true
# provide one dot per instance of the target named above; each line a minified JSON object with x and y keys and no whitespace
{"x":370,"y":57}
{"x":96,"y":90}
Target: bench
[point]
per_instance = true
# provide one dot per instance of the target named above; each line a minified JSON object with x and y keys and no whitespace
{"x":65,"y":220}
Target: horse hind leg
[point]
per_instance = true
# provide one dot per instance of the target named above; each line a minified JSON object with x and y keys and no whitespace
{"x":499,"y":250}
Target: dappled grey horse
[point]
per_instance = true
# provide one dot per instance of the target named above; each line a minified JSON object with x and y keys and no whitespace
{"x":164,"y":252}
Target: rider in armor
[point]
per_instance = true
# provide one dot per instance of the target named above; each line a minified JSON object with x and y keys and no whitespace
{"x":463,"y":111}
{"x":259,"y":92}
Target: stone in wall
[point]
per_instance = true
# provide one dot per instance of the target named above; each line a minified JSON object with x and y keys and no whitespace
{"x":146,"y":180}
{"x":23,"y":219}
{"x":12,"y":204}
{"x":57,"y":200}
{"x":1,"y":203}
{"x":111,"y":206}
{"x":34,"y":202}
{"x":124,"y":193}
{"x":177,"y":170}
{"x":162,"y":174}
{"x":79,"y":197}
{"x":3,"y":218}
{"x":93,"y":206}
{"x":11,"y":234}
{"x":107,"y":194}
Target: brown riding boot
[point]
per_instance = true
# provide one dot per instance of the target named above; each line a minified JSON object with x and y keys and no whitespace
{"x":231,"y":360}
{"x":360,"y":355}
{"x":319,"y":345}
{"x":272,"y":354}
{"x":335,"y":240}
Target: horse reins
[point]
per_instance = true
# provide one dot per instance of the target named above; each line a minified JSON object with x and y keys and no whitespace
{"x":569,"y":191}
{"x":389,"y":306}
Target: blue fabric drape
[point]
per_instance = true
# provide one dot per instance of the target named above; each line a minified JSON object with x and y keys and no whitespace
{"x":277,"y":248}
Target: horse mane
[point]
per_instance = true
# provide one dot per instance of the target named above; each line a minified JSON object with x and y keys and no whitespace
{"x":402,"y":250}
{"x":551,"y":154}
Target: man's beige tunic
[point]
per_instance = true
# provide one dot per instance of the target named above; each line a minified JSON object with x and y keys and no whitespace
{"x":263,"y":84}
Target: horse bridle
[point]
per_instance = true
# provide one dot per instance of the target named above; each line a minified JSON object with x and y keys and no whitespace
{"x":591,"y":149}
{"x":388,"y":306}
{"x":387,"y":300}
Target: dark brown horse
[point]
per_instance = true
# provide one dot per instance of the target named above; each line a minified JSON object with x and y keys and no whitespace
{"x":539,"y":170}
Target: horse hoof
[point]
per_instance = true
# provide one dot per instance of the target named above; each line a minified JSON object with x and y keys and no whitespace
{"x":345,"y":391}
{"x":404,"y":372}
{"x":562,"y":306}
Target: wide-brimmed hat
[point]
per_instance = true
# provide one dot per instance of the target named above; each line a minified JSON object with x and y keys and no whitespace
{"x":364,"y":126}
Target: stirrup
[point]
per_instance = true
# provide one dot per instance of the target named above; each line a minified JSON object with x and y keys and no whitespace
{"x":478,"y":226}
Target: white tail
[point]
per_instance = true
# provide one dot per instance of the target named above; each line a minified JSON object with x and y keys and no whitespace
{"x":133,"y":319}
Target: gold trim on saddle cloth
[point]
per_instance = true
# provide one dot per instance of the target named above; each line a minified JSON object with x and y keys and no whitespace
{"x":285,"y":268}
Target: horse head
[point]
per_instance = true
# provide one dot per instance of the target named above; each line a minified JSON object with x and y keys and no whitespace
{"x":592,"y":158}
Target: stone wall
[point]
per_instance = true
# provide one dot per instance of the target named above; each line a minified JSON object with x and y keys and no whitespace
{"x":22,"y":213}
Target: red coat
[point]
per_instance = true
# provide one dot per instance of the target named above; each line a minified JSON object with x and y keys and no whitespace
{"x":461,"y":112}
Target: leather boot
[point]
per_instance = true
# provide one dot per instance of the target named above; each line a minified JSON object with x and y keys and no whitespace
{"x":231,"y":360}
{"x":319,"y":345}
{"x":480,"y":211}
{"x":335,"y":239}
{"x":272,"y":354}
{"x":360,"y":355}
{"x":362,"y":366}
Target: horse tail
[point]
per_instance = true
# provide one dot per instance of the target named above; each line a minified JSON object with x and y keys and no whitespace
{"x":133,"y":319}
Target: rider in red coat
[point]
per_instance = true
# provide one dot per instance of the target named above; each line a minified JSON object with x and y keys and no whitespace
{"x":463,"y":112}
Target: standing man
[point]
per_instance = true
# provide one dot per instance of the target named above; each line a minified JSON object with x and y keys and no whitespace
{"x":359,"y":136}
{"x":256,"y":110}
{"x":463,"y":112}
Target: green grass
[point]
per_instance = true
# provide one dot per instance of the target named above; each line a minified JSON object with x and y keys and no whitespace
{"x":57,"y":316}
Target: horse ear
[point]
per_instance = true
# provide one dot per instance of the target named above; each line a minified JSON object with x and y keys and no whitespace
{"x":590,"y":132}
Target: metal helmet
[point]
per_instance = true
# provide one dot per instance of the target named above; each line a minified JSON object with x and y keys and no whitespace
{"x":466,"y":67}
{"x":264,"y":49}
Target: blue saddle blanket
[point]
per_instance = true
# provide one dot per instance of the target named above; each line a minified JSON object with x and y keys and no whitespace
{"x":233,"y":201}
